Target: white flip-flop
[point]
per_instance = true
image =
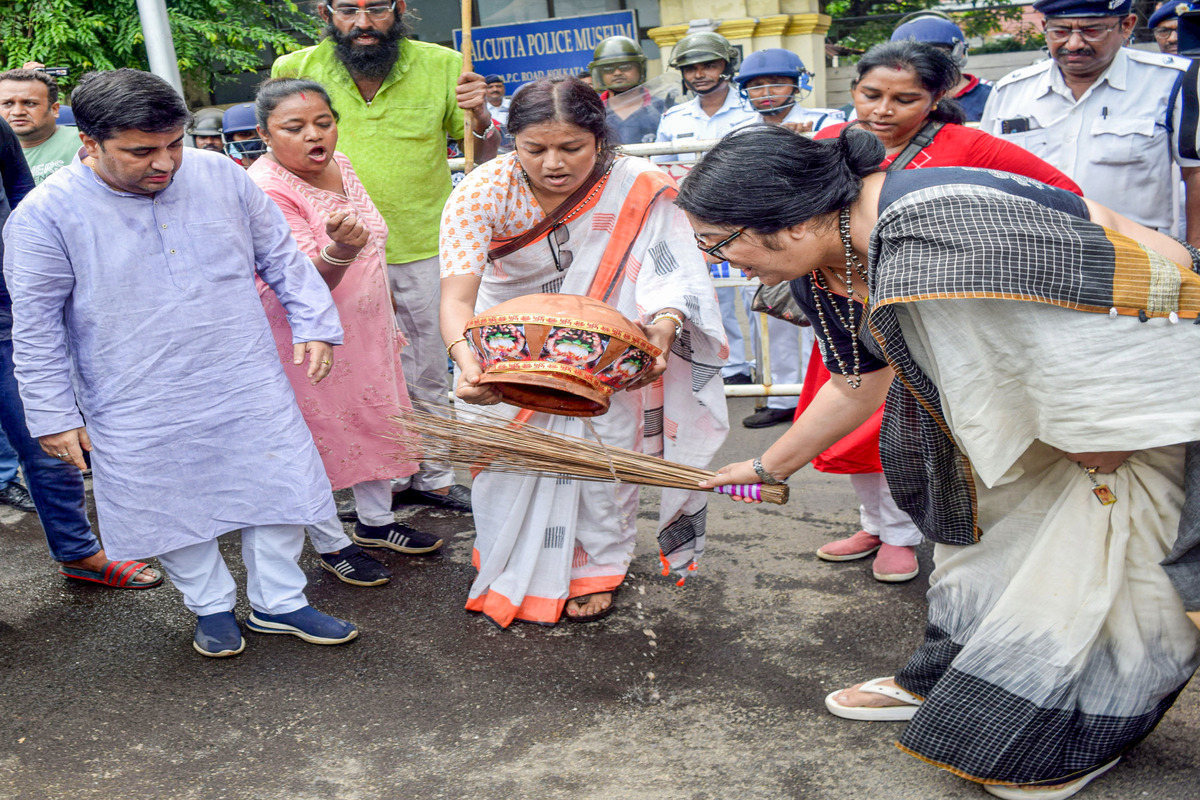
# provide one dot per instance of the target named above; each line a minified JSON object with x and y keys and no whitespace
{"x":1060,"y":792}
{"x":877,"y":713}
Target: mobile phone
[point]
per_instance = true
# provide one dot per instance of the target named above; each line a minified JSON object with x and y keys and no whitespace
{"x":1015,"y":125}
{"x":55,"y":72}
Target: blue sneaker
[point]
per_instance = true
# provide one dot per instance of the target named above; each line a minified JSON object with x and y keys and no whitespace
{"x":307,"y":623}
{"x":218,"y":635}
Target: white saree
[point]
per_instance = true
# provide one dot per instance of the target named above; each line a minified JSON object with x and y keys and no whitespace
{"x":543,"y":540}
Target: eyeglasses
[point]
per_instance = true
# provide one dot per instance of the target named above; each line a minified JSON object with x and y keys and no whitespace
{"x":1090,"y":33}
{"x":562,"y":258}
{"x":1164,"y":34}
{"x":715,"y":250}
{"x":611,"y":69}
{"x":350,"y":13}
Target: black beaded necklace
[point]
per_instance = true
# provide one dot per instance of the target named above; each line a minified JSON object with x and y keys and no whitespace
{"x":848,"y":321}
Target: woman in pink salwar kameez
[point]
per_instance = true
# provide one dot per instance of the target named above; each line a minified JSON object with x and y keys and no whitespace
{"x":337,"y":225}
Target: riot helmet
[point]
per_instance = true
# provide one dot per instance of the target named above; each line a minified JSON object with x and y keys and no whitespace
{"x":207,"y":122}
{"x":936,"y":28}
{"x":775,"y":62}
{"x":608,"y":57}
{"x":237,"y":123}
{"x":702,"y":46}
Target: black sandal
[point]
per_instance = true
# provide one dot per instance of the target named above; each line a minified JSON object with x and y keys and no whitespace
{"x":599,"y":615}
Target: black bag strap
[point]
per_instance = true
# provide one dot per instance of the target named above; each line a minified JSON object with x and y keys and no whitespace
{"x":916,"y":145}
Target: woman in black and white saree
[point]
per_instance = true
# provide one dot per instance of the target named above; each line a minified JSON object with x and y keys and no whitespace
{"x":1039,"y":359}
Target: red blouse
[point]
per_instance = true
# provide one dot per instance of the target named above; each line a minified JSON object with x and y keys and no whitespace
{"x":960,"y":146}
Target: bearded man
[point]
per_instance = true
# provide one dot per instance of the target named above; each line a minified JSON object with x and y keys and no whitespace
{"x":398,"y":99}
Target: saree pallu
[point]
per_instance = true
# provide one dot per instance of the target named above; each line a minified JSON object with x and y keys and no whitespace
{"x":542,"y":540}
{"x":1056,"y":639}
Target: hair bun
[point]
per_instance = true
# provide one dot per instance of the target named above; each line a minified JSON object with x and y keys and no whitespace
{"x":862,"y":150}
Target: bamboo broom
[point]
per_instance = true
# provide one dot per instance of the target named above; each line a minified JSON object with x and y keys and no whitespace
{"x":505,"y":445}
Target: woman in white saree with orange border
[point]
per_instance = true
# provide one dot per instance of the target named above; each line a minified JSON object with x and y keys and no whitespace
{"x":582,"y":222}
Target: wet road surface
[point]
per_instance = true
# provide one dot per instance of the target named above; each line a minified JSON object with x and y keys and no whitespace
{"x":705,"y":692}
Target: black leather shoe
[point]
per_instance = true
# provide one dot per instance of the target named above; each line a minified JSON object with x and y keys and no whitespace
{"x":740,"y":379}
{"x":457,"y":499}
{"x":17,"y":496}
{"x":766,"y":417}
{"x":347,"y":510}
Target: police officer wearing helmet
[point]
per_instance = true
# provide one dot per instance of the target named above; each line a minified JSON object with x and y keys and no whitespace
{"x":1110,"y":117}
{"x":206,"y":130}
{"x":708,"y":63}
{"x":935,"y":28}
{"x":773,"y":82}
{"x":240,"y":129}
{"x":618,"y":69}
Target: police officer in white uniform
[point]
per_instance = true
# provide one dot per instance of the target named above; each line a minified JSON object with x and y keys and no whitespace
{"x":1108,"y":116}
{"x":773,"y":82}
{"x":708,"y":62}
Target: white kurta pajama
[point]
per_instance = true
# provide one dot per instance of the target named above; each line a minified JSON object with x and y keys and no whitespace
{"x":139,"y":315}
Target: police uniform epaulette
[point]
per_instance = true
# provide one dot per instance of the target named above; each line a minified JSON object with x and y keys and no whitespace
{"x":1158,"y":59}
{"x":675,"y":109}
{"x":1024,"y":72}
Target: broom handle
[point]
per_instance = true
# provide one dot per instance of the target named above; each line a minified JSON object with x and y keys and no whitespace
{"x":468,"y":66}
{"x":751,"y":490}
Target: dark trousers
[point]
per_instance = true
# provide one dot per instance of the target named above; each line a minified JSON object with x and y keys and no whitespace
{"x":56,"y":486}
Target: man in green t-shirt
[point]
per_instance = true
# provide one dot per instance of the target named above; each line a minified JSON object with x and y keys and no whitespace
{"x":29,"y":104}
{"x":397,"y":100}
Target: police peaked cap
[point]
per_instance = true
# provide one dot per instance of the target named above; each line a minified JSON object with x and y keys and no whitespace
{"x":1168,"y":10}
{"x":1083,"y":8}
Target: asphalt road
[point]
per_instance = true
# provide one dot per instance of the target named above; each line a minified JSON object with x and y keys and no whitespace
{"x":709,"y":691}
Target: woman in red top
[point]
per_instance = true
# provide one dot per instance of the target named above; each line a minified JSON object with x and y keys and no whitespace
{"x":901,"y":88}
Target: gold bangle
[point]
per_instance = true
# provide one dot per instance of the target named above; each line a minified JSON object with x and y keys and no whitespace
{"x":450,"y":347}
{"x":677,"y":319}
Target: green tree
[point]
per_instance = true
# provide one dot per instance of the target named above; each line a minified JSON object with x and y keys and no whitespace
{"x":210,"y":35}
{"x":858,"y":24}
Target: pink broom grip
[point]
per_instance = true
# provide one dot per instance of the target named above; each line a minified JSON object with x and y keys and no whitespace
{"x":750,"y":490}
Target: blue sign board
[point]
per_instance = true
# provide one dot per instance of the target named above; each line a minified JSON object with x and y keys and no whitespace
{"x":549,"y":48}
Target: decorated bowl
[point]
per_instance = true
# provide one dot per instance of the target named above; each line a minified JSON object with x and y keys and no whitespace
{"x":559,"y":353}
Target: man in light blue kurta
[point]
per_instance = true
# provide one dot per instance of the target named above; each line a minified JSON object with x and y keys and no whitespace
{"x":135,"y":311}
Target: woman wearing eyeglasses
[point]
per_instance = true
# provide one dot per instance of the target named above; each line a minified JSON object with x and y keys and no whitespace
{"x":901,"y":95}
{"x":562,"y":213}
{"x":1038,"y":359}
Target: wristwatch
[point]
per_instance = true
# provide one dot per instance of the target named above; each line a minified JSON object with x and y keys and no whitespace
{"x":765,"y":476}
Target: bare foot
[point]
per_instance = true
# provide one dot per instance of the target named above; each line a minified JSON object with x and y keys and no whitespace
{"x":99,"y":561}
{"x":589,"y":604}
{"x":853,"y":698}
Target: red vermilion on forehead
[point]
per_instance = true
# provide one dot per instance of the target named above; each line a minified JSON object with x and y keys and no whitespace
{"x":302,"y":97}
